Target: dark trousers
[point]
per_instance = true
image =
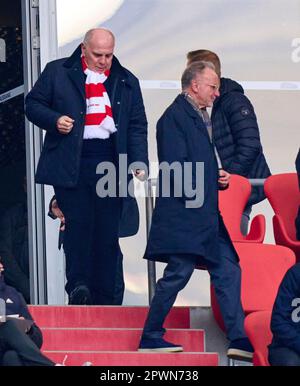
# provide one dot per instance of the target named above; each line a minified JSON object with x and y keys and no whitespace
{"x":17,"y":349}
{"x":226,"y":278}
{"x":283,"y":356}
{"x":245,"y":219}
{"x":91,"y":244}
{"x":119,"y":283}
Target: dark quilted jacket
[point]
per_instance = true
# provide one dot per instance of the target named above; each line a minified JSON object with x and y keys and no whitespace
{"x":236,"y":136}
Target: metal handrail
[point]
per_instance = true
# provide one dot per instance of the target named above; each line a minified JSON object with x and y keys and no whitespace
{"x":149,"y":185}
{"x":149,"y":210}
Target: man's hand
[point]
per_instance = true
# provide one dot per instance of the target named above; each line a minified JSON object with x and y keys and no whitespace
{"x":224,"y":178}
{"x":64,"y":124}
{"x":140,"y":174}
{"x":58,"y":213}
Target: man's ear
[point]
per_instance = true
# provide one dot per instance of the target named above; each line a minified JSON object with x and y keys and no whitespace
{"x":194,"y":85}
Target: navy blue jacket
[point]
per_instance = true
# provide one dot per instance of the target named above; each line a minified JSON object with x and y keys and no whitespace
{"x":236,"y":136}
{"x":286,"y":332}
{"x":14,"y":248}
{"x":15,"y":304}
{"x":60,"y":90}
{"x":175,"y":229}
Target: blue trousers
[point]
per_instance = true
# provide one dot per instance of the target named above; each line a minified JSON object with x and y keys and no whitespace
{"x":17,"y":349}
{"x":226,"y":278}
{"x":283,"y":356}
{"x":91,"y":237}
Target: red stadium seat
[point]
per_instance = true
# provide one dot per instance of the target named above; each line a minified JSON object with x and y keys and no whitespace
{"x":257,"y":326}
{"x":282,"y":190}
{"x":232,"y":202}
{"x":263,"y":267}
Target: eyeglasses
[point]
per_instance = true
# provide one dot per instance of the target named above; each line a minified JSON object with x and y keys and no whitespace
{"x":214,"y":87}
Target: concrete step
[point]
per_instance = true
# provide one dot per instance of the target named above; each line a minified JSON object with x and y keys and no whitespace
{"x":134,"y":358}
{"x":103,"y":316}
{"x":97,"y":339}
{"x":110,"y":335}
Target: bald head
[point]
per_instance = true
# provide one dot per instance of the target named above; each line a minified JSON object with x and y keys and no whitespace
{"x":98,"y":48}
{"x":102,"y":34}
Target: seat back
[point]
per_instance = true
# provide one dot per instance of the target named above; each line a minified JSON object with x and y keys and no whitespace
{"x":232,"y":202}
{"x":282,"y":191}
{"x":263,"y":268}
{"x":257,"y":326}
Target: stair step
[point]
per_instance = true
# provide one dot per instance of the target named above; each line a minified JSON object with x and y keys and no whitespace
{"x":103,"y":316}
{"x":134,"y":358}
{"x":96,"y":339}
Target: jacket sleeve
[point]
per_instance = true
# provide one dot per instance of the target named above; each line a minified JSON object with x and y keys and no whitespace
{"x":286,"y":330}
{"x":35,"y":332}
{"x":242,"y":121}
{"x":39,"y":100}
{"x":36,"y":335}
{"x":137,"y":128}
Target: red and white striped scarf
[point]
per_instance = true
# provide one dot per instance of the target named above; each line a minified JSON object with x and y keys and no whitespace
{"x":99,"y":122}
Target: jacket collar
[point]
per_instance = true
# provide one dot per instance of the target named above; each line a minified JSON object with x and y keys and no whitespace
{"x":187,"y":106}
{"x":73,"y":64}
{"x":74,"y":61}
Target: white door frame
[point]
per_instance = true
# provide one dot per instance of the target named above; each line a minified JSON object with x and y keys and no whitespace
{"x":46,"y":262}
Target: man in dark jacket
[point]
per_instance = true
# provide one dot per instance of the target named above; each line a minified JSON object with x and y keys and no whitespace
{"x":14,"y":248}
{"x":236,"y":132}
{"x":20,"y":337}
{"x":184,"y":234}
{"x":92,"y":110}
{"x":285,"y":323}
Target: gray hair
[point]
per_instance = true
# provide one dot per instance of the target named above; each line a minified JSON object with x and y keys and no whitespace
{"x":89,"y":34}
{"x":192,"y":71}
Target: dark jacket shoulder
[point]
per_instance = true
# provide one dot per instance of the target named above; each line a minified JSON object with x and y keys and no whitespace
{"x":236,"y":135}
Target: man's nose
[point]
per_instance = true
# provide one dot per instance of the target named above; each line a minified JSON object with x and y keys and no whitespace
{"x":217,"y":93}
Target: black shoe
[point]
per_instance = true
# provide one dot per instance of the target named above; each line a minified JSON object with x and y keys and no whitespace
{"x":158,"y":345}
{"x":80,"y":295}
{"x":240,"y":349}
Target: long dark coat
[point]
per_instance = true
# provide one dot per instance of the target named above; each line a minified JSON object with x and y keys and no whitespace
{"x":60,"y":90}
{"x":176,"y":229}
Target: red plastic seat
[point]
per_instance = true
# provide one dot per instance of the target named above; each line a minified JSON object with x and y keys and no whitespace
{"x":257,"y":326}
{"x":263,"y":267}
{"x":282,"y":191}
{"x":232,"y":202}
